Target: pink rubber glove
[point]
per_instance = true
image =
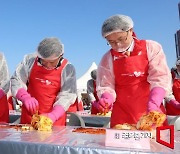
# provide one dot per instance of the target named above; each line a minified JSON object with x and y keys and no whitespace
{"x":56,"y":113}
{"x":1,"y":93}
{"x":106,"y":101}
{"x":29,"y":102}
{"x":175,"y":104}
{"x":156,"y":97}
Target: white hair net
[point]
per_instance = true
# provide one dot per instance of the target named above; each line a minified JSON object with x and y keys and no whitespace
{"x":116,"y":23}
{"x":50,"y":48}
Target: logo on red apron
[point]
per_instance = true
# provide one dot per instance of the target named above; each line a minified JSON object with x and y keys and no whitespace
{"x":47,"y":82}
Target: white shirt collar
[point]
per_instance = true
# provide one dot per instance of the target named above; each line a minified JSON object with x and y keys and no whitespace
{"x":131,"y":46}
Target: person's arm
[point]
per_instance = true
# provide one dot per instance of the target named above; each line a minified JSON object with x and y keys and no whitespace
{"x":90,"y":91}
{"x":68,"y":92}
{"x":4,"y":76}
{"x":105,"y":76}
{"x":106,"y":82}
{"x":170,"y":99}
{"x":18,"y":84}
{"x":21,"y":75}
{"x":159,"y":75}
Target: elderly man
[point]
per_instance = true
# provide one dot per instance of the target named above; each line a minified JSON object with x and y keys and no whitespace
{"x":45,"y":82}
{"x":133,"y":75}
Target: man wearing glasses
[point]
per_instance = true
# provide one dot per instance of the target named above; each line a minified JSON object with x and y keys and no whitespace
{"x":45,"y":82}
{"x":133,"y":75}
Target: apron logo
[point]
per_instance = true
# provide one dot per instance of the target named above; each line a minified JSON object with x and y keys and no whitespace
{"x":137,"y":74}
{"x":115,"y":58}
{"x":47,"y":82}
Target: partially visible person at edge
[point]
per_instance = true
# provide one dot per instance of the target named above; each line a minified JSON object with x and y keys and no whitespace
{"x":45,"y":82}
{"x":172,"y":101}
{"x":133,"y":75}
{"x":4,"y":88}
{"x":91,"y":91}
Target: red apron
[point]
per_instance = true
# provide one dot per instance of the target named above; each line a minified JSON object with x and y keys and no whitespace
{"x":131,"y":86}
{"x":4,"y":109}
{"x":10,"y":103}
{"x":93,"y":109}
{"x":79,"y":105}
{"x":44,"y":85}
{"x":73,"y":107}
{"x":171,"y":110}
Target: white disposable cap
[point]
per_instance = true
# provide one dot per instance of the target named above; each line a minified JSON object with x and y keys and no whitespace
{"x":116,"y":23}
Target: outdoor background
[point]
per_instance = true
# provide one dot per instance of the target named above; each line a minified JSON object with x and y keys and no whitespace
{"x":77,"y":23}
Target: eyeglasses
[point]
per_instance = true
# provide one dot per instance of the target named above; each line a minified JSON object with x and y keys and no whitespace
{"x":50,"y":64}
{"x":120,"y":40}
